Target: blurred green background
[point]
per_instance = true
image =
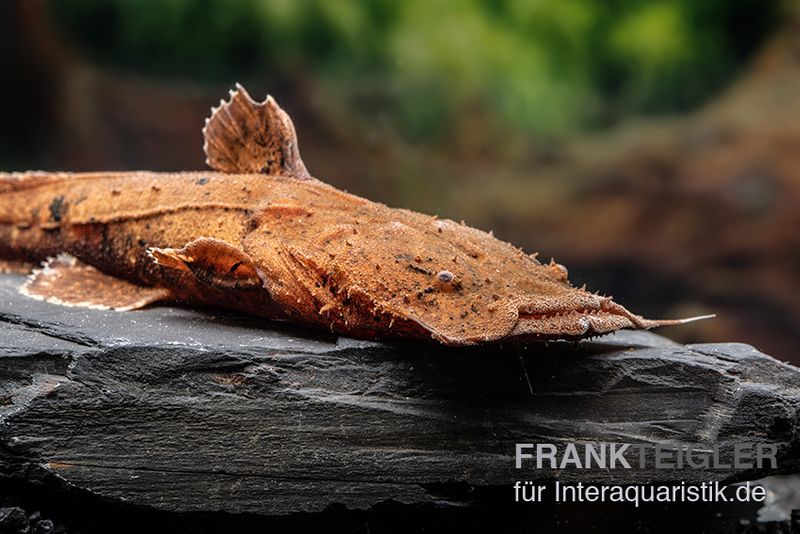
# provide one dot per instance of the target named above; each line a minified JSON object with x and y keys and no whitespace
{"x":534,"y":66}
{"x":650,"y":145}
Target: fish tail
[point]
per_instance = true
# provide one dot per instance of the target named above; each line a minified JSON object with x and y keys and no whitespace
{"x":11,"y":182}
{"x":22,"y":238}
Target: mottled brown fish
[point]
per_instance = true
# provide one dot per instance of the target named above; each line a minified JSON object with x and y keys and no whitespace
{"x":262,"y":236}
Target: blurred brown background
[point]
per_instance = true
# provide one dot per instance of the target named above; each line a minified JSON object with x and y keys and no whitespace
{"x":652,"y":146}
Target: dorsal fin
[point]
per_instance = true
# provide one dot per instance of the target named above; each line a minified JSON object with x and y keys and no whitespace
{"x":245,"y":136}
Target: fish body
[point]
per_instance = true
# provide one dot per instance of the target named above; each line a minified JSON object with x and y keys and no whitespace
{"x":260,"y":235}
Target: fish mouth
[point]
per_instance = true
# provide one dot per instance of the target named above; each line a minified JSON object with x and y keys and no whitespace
{"x":594,"y":318}
{"x":573,"y":324}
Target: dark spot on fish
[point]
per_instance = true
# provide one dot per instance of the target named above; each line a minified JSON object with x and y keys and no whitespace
{"x":142,"y":242}
{"x":235,"y":266}
{"x":202,"y":181}
{"x":78,"y":201}
{"x":57,"y":209}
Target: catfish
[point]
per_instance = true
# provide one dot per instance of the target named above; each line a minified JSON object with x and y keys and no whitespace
{"x":260,"y":235}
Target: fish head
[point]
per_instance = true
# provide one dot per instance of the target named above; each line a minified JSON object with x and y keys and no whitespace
{"x":386,"y":271}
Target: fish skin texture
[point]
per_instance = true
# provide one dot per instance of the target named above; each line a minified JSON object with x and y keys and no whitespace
{"x":261,"y":235}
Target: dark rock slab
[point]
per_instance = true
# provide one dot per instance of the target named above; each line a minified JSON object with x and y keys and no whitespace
{"x":189,"y":411}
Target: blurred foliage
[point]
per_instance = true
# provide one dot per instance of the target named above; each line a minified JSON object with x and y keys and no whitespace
{"x":545,"y":67}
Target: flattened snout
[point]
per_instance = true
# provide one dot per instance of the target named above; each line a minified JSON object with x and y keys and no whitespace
{"x":569,"y":301}
{"x":573,"y":315}
{"x":575,"y":324}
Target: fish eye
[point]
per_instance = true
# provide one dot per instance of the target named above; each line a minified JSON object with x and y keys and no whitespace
{"x":445,"y":277}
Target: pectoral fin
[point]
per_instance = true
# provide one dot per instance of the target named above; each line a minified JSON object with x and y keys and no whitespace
{"x":213,"y":262}
{"x":245,"y":136}
{"x":67,"y":281}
